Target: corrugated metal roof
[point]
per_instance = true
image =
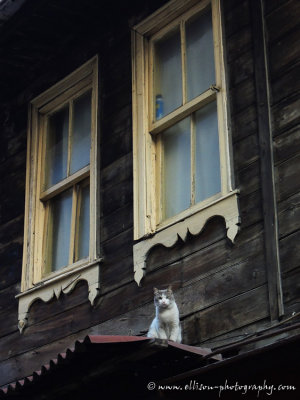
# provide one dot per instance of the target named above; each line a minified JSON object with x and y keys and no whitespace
{"x":103,"y":351}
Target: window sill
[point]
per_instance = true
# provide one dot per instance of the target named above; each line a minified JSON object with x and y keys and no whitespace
{"x":226,"y":207}
{"x":65,"y":282}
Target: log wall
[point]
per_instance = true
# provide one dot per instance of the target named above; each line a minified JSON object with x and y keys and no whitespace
{"x":221,"y":290}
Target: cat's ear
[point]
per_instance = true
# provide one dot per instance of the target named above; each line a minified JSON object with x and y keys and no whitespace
{"x":155,"y":290}
{"x":170,"y":288}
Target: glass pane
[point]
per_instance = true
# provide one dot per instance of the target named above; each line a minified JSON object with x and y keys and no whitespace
{"x":177,"y":167}
{"x":59,"y":226}
{"x":57,"y":147}
{"x":208,"y":179}
{"x":83,"y":240}
{"x":81,"y":136}
{"x":199,"y":55}
{"x":167,"y":74}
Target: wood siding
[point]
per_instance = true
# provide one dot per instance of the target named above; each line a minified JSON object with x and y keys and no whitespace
{"x":221,"y":289}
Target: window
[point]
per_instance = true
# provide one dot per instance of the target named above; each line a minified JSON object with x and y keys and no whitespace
{"x":61,"y":201}
{"x":182,"y":163}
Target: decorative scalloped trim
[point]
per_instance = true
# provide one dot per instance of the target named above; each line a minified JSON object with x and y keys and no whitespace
{"x":226,"y":207}
{"x":65,"y":283}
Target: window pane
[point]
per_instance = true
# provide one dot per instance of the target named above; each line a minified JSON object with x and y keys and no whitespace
{"x":208,"y":180}
{"x":200,"y":55}
{"x":59,"y":226}
{"x":81,"y":136}
{"x":177,"y":162}
{"x":167,"y":74}
{"x":57,"y":147}
{"x":84,"y":224}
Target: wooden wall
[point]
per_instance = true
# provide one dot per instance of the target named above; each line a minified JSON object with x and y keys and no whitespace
{"x":222,"y":290}
{"x":284,"y":65}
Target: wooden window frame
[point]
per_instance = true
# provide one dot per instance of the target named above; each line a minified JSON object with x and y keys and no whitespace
{"x":36,"y":282}
{"x":149,"y":229}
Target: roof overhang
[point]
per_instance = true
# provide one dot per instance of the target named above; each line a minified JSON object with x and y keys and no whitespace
{"x":114,"y":365}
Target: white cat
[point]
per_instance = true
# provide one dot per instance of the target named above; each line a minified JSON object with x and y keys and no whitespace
{"x":166,"y":324}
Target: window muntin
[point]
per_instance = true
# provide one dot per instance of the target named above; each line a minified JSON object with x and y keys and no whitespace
{"x":67,"y":163}
{"x":167,"y":73}
{"x":189,"y":162}
{"x":200,"y":63}
{"x":207,"y":159}
{"x":153,"y":144}
{"x":57,"y":238}
{"x":61,"y":224}
{"x":182,"y":72}
{"x":182,"y":62}
{"x":176,"y":184}
{"x":57,"y":147}
{"x":62,"y":179}
{"x":149,"y":124}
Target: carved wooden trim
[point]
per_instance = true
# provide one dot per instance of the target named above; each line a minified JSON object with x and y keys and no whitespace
{"x":64,"y":283}
{"x":226,"y":207}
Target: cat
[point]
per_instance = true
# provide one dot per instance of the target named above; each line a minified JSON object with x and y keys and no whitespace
{"x":166,"y":324}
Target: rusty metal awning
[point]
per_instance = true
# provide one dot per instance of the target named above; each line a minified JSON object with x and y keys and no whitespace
{"x":94,"y":362}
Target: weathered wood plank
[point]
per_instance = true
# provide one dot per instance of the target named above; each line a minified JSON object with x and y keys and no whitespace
{"x":286,"y":116}
{"x":287,"y":145}
{"x":288,"y":182}
{"x":7,"y":297}
{"x":289,"y":216}
{"x":245,"y":152}
{"x":251,"y":209}
{"x":118,"y":144}
{"x":268,"y":202}
{"x":119,"y":246}
{"x":282,"y":20}
{"x":248,"y":178}
{"x":119,"y":171}
{"x":290,"y":252}
{"x":8,"y":309}
{"x":12,"y":196}
{"x":13,"y":162}
{"x":118,"y":267}
{"x":238,"y":44}
{"x":237,"y":18}
{"x":117,"y":196}
{"x":291,"y":288}
{"x":227,"y":282}
{"x":227,"y":316}
{"x":12,"y":231}
{"x":237,"y":334}
{"x":230,"y":4}
{"x":117,"y":93}
{"x":9,"y":322}
{"x":116,"y":273}
{"x":213,"y":232}
{"x":40,"y":311}
{"x":117,"y":222}
{"x":242,"y":96}
{"x":271,"y":5}
{"x":119,"y":122}
{"x":220,"y":255}
{"x":241,"y":69}
{"x":286,"y":85}
{"x":284,"y":53}
{"x":244,"y":123}
{"x":11,"y":264}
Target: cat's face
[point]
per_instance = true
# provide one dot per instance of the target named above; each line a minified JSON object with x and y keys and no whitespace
{"x":163,"y":298}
